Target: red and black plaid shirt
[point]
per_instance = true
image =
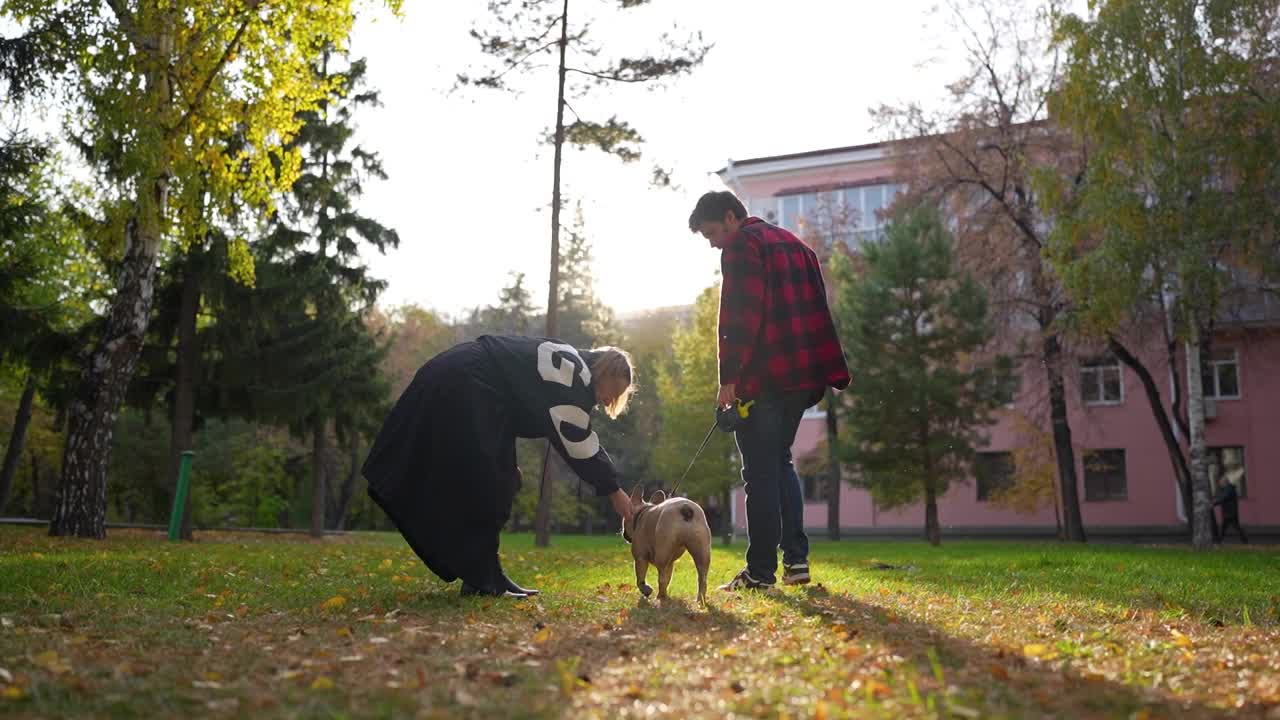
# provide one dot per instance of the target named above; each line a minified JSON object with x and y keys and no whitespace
{"x":776,"y":331}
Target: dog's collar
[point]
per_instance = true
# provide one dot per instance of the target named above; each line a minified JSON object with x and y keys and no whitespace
{"x":636,"y":519}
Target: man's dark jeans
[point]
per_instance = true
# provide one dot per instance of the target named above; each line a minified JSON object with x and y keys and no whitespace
{"x":775,"y":503}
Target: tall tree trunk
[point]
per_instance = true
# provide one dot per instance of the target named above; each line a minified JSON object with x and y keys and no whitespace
{"x":184,"y":385}
{"x":1202,"y":506}
{"x":833,"y":468}
{"x":1181,"y":472}
{"x":1171,"y":354}
{"x":1051,"y":349}
{"x":348,"y":485}
{"x":932,"y":531}
{"x":542,"y":521}
{"x":317,"y":478}
{"x":18,"y":437}
{"x":81,"y":507}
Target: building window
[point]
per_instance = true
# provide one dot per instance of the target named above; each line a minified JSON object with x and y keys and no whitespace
{"x":851,"y":215}
{"x":1221,"y":376}
{"x":1228,"y":461}
{"x":1104,"y":475}
{"x":993,"y":472}
{"x":1003,"y":393}
{"x":1100,"y":382}
{"x":790,"y":212}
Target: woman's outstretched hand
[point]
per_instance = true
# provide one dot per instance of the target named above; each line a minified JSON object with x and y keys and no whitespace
{"x":621,"y":504}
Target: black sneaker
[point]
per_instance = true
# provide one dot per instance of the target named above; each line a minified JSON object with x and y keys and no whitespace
{"x":469,"y":590}
{"x":744,"y":581}
{"x":797,"y":574}
{"x":502,"y":581}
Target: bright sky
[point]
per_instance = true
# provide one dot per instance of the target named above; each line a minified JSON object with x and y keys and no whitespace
{"x":469,"y":181}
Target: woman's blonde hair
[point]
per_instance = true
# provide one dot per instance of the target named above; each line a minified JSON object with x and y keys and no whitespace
{"x":612,"y":362}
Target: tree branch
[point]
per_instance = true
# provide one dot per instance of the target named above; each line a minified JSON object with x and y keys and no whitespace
{"x":513,"y":64}
{"x":213,"y":73}
{"x":125,"y":18}
{"x":606,"y":76}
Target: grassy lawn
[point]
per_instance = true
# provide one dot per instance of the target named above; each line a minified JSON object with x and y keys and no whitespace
{"x":255,"y":625}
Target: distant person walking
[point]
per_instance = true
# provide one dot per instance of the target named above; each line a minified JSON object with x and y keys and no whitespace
{"x":1229,"y":500}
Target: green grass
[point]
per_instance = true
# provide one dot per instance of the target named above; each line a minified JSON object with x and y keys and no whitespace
{"x":240,"y":625}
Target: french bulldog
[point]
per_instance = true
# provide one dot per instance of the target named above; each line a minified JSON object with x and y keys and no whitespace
{"x":660,"y":531}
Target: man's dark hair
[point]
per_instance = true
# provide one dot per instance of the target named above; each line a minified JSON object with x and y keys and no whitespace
{"x":712,"y":207}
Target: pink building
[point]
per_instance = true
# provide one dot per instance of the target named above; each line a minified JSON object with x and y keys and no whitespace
{"x":1126,"y":484}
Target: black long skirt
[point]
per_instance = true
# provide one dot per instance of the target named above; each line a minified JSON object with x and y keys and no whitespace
{"x":443,"y":466}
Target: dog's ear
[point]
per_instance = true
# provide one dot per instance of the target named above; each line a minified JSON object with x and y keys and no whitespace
{"x":658,"y":497}
{"x":637,"y":494}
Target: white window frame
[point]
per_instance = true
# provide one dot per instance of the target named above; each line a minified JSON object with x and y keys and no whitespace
{"x":1096,"y":370}
{"x":869,"y":225}
{"x":1213,"y":372}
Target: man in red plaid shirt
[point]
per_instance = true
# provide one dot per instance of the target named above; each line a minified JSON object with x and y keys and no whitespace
{"x":778,"y":348}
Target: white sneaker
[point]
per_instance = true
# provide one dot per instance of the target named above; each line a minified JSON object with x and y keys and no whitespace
{"x":797,"y":574}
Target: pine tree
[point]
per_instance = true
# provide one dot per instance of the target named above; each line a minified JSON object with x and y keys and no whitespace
{"x":914,"y":327}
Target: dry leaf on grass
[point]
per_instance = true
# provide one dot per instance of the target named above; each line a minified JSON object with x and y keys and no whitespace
{"x":50,"y":661}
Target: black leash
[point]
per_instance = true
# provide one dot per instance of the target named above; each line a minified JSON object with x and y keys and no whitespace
{"x":727,"y":419}
{"x":701,"y":447}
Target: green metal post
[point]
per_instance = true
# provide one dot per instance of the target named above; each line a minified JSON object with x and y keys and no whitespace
{"x":180,"y":496}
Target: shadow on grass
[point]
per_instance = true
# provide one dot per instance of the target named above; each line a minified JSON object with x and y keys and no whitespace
{"x":1215,"y":586}
{"x":990,"y":680}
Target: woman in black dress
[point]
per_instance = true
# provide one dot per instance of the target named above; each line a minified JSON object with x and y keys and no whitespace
{"x":443,"y":466}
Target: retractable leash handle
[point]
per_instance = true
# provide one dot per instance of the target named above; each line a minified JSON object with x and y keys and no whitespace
{"x":729,"y":418}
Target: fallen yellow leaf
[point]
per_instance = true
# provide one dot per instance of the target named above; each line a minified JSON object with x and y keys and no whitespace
{"x":334,"y":603}
{"x":542,"y":636}
{"x":1180,"y":640}
{"x":728,"y":651}
{"x":13,"y":692}
{"x":50,"y":661}
{"x":1035,"y":650}
{"x":322,"y":683}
